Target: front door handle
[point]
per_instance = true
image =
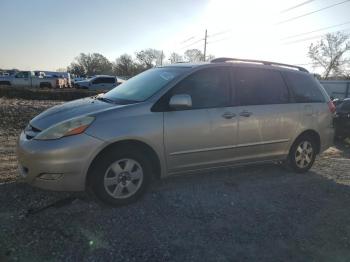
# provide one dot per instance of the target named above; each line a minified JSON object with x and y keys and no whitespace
{"x":228,"y":115}
{"x":245,"y":113}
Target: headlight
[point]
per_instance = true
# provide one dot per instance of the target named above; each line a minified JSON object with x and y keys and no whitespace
{"x":67,"y":128}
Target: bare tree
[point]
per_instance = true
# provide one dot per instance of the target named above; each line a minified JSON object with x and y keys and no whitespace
{"x":210,"y":57}
{"x":329,"y":54}
{"x":149,"y":57}
{"x":90,"y":64}
{"x":175,"y":58}
{"x":193,"y":55}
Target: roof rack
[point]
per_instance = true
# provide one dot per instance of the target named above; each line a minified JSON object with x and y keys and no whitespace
{"x":228,"y":59}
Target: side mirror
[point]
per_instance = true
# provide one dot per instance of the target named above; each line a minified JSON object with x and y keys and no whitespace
{"x":181,"y":101}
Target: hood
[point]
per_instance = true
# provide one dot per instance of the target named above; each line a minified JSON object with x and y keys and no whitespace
{"x":70,"y":110}
{"x":82,"y":82}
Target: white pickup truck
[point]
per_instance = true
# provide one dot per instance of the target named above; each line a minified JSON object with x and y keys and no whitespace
{"x":28,"y":79}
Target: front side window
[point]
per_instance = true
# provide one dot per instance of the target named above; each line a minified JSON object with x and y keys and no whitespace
{"x":22,"y":75}
{"x":97,"y":81}
{"x":257,"y":86}
{"x":208,"y":88}
{"x":109,"y":80}
{"x":305,"y":88}
{"x":146,"y":84}
{"x":106,"y":80}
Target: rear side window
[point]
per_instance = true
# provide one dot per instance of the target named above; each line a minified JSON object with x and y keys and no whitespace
{"x":257,"y":86}
{"x":107,"y":80}
{"x":305,"y":88}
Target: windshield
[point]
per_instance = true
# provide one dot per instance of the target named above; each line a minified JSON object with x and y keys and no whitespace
{"x":144,"y":85}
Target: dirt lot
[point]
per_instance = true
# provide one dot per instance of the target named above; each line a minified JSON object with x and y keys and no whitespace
{"x":260,"y":213}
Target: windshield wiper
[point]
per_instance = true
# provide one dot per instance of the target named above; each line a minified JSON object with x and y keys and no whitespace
{"x":107,"y":100}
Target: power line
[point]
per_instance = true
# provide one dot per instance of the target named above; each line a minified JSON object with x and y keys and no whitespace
{"x":309,"y":13}
{"x":219,"y":40}
{"x":310,"y":38}
{"x":220,"y":33}
{"x":296,"y":6}
{"x":188,"y":39}
{"x":192,"y":43}
{"x":314,"y":31}
{"x":304,"y":64}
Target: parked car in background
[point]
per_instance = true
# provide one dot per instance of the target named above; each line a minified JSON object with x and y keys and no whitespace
{"x":178,"y":119}
{"x":342,"y":118}
{"x":99,"y":82}
{"x":57,"y":75}
{"x":29,"y":79}
{"x":77,"y":79}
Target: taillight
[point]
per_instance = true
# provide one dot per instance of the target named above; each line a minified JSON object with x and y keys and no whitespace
{"x":331,"y":107}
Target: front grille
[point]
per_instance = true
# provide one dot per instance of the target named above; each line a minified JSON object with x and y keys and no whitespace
{"x":31,"y":131}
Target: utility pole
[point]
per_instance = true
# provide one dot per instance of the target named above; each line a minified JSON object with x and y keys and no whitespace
{"x":161,"y":59}
{"x":205,"y":45}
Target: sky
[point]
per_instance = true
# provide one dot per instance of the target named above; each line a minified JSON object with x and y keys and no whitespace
{"x":49,"y":34}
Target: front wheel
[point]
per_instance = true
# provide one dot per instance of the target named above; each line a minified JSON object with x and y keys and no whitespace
{"x":120,"y":178}
{"x":302,"y":154}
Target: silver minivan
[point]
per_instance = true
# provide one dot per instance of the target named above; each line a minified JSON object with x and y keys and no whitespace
{"x":178,"y":119}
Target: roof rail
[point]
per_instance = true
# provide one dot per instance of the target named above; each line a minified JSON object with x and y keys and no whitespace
{"x":228,"y":59}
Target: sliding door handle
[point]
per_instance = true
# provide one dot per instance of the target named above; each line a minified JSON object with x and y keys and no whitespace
{"x":245,"y":113}
{"x":228,"y":115}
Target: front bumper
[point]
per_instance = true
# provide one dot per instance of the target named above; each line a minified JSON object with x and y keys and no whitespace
{"x":64,"y":161}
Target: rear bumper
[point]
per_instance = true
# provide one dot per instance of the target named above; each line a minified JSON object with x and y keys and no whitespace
{"x":59,"y":165}
{"x":327,"y":138}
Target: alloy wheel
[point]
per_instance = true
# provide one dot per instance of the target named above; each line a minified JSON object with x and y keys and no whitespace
{"x":123,"y":178}
{"x":304,"y":154}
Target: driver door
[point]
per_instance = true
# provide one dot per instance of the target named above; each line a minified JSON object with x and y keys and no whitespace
{"x":203,"y":135}
{"x":22,"y":79}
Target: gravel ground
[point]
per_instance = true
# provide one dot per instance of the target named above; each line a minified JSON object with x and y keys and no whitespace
{"x":256,"y":213}
{"x":14,"y":116}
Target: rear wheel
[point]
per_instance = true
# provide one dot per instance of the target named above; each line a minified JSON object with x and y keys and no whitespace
{"x":302,"y":154}
{"x":5,"y":83}
{"x":45,"y":85}
{"x":121,"y":177}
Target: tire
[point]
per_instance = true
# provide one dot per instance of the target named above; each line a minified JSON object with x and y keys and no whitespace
{"x":45,"y":85}
{"x":302,"y":154}
{"x":5,"y":83}
{"x":121,"y":176}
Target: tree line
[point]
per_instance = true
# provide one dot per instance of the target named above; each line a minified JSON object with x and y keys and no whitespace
{"x":126,"y":65}
{"x":330,"y":54}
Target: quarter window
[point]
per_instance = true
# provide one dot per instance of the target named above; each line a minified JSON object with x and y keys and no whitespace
{"x":305,"y":87}
{"x":257,"y":86}
{"x":208,"y":88}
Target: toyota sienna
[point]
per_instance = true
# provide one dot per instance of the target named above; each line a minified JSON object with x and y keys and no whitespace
{"x":175,"y":119}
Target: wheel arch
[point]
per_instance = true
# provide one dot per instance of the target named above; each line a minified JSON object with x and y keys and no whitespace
{"x":144,"y":147}
{"x":45,"y":84}
{"x":314,"y":134}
